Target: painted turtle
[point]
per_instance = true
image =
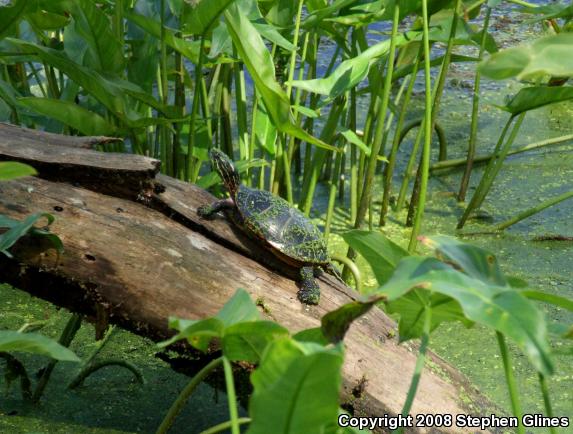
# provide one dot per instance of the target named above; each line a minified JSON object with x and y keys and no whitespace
{"x":287,"y":232}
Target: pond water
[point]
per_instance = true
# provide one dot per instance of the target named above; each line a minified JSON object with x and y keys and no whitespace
{"x":110,"y":402}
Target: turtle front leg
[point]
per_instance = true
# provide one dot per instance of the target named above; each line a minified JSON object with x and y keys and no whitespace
{"x":309,"y":292}
{"x":209,"y":210}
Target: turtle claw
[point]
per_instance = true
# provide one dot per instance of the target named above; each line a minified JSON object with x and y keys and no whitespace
{"x":308,"y":296}
{"x":204,"y":211}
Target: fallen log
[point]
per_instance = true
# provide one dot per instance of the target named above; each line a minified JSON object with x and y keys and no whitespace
{"x":145,"y":255}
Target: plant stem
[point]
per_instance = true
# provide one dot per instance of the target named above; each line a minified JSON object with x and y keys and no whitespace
{"x":231,"y":396}
{"x":425,"y":166}
{"x":167,"y":157}
{"x":420,"y":360}
{"x":194,"y":109}
{"x":475,"y":110}
{"x":450,"y":164}
{"x":68,"y":334}
{"x":241,"y":106}
{"x":373,"y":159}
{"x":179,"y":403}
{"x":538,"y":208}
{"x":546,"y":399}
{"x":510,"y":379}
{"x":493,"y":168}
{"x":225,"y":426}
{"x":96,"y":366}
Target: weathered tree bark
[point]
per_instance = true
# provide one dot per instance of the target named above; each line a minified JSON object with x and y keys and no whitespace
{"x":142,"y":253}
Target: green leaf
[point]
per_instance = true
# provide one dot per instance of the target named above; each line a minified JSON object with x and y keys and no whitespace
{"x":352,"y":137}
{"x":246,"y":341}
{"x":416,"y":304}
{"x":296,"y":388}
{"x":17,"y":231}
{"x":335,"y":324}
{"x":379,"y":251}
{"x":265,"y":131}
{"x":501,"y":308}
{"x":104,"y":52}
{"x":314,"y":335}
{"x":200,"y":15}
{"x":199,"y":333}
{"x":36,"y":344}
{"x":188,"y":49}
{"x":472,"y":260}
{"x":267,"y":31}
{"x":11,"y":16}
{"x":349,"y":73}
{"x":252,"y":50}
{"x":109,"y":91}
{"x":13,"y":170}
{"x":240,"y":308}
{"x":549,"y":12}
{"x":530,"y":98}
{"x":70,"y":114}
{"x":48,"y":21}
{"x":550,"y":55}
{"x":553,"y":299}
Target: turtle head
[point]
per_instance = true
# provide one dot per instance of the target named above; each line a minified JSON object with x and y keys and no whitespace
{"x":226,"y":170}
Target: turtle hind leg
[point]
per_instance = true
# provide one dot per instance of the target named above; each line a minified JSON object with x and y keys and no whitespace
{"x":309,"y":292}
{"x":209,"y":210}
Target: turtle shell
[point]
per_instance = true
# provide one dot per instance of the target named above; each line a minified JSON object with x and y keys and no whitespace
{"x":285,"y":228}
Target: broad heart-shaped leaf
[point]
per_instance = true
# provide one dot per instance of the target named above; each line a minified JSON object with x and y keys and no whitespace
{"x":379,"y":251}
{"x":199,"y":333}
{"x":296,"y":388}
{"x":530,"y":98}
{"x":240,"y":308}
{"x":13,"y":170}
{"x":9,"y":238}
{"x":501,"y":308}
{"x":550,"y":55}
{"x":246,"y":341}
{"x":36,"y":344}
{"x":70,"y":114}
{"x":199,"y":15}
{"x":314,"y":335}
{"x":473,"y":260}
{"x":104,"y":52}
{"x":253,"y":52}
{"x":335,"y":324}
{"x":414,"y":306}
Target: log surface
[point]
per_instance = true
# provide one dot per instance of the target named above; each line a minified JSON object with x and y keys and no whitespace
{"x":147,"y":260}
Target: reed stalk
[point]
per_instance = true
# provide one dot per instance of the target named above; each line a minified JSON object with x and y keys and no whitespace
{"x":475,"y":111}
{"x":493,"y":168}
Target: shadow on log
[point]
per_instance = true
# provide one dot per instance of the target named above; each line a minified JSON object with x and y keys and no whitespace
{"x":135,"y":245}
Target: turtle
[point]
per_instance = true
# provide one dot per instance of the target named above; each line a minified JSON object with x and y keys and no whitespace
{"x":283,"y":229}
